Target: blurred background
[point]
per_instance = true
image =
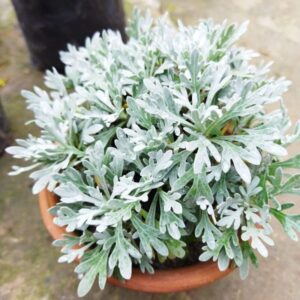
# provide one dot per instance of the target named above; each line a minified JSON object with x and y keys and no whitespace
{"x":28,"y":263}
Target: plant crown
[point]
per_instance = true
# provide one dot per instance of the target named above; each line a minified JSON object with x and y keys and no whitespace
{"x":159,"y":143}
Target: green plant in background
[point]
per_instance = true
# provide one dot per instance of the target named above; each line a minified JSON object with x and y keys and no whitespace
{"x":160,"y":143}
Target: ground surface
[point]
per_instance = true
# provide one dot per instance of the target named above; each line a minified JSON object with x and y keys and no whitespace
{"x":28,"y":268}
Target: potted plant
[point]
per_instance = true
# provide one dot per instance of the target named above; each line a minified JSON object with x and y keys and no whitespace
{"x":160,"y":153}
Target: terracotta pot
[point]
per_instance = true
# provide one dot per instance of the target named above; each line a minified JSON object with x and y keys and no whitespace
{"x":163,"y":281}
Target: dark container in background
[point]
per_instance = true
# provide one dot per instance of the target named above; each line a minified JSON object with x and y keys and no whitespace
{"x":49,"y":25}
{"x":4,"y":129}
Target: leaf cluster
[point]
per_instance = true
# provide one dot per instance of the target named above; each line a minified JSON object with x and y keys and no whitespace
{"x":158,"y":143}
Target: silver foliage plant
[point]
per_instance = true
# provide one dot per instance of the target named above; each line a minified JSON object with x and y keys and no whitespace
{"x":160,"y":142}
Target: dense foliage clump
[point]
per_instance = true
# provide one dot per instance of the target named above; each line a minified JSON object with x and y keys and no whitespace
{"x":159,"y":143}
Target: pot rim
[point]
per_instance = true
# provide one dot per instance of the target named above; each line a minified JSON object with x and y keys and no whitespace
{"x":162,"y":281}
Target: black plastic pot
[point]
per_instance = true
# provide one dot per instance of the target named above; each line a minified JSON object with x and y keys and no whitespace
{"x":4,"y":130}
{"x":49,"y":25}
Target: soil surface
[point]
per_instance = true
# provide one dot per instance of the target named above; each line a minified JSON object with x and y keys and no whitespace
{"x":193,"y":251}
{"x":28,"y":264}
